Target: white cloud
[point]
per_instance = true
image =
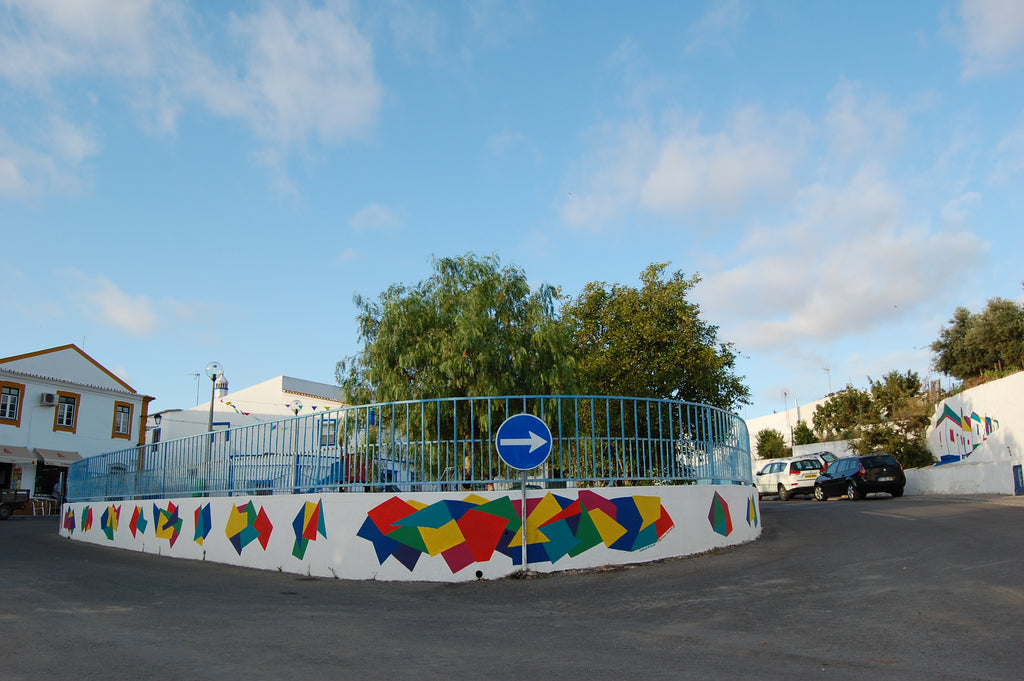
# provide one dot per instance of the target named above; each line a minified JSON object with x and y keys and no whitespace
{"x":308,"y":73}
{"x":346,"y":256}
{"x":846,"y":262}
{"x":724,"y":170}
{"x":504,"y":141}
{"x":293,"y":75}
{"x":1009,"y":157}
{"x":102,"y":300}
{"x":752,"y":157}
{"x":47,"y":38}
{"x":992,"y":35}
{"x":50,"y":167}
{"x":861,"y":123}
{"x":720,"y":25}
{"x":375,"y":217}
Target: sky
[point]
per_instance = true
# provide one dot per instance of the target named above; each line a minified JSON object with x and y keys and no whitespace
{"x":186,"y":182}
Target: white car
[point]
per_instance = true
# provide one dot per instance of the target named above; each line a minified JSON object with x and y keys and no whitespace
{"x":786,"y":477}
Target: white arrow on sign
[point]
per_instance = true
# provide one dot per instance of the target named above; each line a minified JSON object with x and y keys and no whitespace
{"x":534,"y":441}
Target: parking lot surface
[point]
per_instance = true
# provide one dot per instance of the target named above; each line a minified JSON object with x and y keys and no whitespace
{"x":910,"y":588}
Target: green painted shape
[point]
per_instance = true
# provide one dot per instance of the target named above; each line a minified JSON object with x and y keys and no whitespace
{"x":503,"y":508}
{"x":434,"y":516}
{"x":409,"y":536}
{"x":587,"y":535}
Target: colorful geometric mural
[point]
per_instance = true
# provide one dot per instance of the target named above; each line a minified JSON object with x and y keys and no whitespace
{"x":138,"y":522}
{"x":718,"y":516}
{"x":307,"y":525}
{"x":167,"y":521}
{"x":245,"y":525}
{"x":87,"y":519}
{"x":752,"y":519}
{"x":109,"y":519}
{"x":472,"y":529}
{"x":966,"y":433}
{"x":204,"y":523}
{"x":69,"y":520}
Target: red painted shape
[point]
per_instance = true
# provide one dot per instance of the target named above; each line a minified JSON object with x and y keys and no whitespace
{"x":392,"y":510}
{"x":482,"y":532}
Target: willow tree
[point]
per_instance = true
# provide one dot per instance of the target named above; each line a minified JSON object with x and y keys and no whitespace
{"x":472,"y":329}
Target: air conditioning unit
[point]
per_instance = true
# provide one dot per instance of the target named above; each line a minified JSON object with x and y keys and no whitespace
{"x":47,"y":399}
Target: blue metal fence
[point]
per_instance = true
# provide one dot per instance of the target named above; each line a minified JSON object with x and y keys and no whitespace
{"x":432,"y":445}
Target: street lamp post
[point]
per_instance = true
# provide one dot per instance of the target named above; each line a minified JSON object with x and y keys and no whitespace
{"x":214,"y":371}
{"x":295,"y":406}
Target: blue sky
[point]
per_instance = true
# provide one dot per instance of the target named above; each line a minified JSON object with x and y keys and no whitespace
{"x":182,"y":182}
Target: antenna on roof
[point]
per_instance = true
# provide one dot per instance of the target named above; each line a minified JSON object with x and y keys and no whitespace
{"x":195,"y":375}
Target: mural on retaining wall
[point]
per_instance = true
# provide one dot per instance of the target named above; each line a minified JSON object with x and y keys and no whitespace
{"x":966,"y":433}
{"x":752,"y":519}
{"x":246,"y":525}
{"x":471,"y":530}
{"x":307,"y":525}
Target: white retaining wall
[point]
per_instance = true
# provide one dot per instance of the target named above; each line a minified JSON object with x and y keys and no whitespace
{"x":455,"y":536}
{"x":985,"y":425}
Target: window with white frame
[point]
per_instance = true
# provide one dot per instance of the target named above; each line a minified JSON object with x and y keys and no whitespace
{"x":66,"y":417}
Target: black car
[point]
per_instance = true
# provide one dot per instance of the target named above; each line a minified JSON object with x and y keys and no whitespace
{"x":856,"y":476}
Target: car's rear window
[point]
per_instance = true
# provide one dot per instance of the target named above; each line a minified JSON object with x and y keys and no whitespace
{"x":805,"y":465}
{"x":879,"y":460}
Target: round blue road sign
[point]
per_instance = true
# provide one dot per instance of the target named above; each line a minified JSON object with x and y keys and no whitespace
{"x":523,"y":441}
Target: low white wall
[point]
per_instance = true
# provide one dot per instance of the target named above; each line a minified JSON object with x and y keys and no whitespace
{"x":452,"y":537}
{"x":989,"y":470}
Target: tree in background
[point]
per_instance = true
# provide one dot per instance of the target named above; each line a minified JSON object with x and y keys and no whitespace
{"x":837,"y":418}
{"x":651,"y":342}
{"x":770,"y":444}
{"x":803,"y":435}
{"x":893,"y":418}
{"x":974,"y":344}
{"x":473,"y":328}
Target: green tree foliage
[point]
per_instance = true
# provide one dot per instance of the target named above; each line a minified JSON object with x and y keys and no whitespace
{"x":893,"y":418}
{"x":803,"y":435}
{"x":770,"y":444}
{"x":837,"y":418}
{"x":473,"y":328}
{"x":651,"y":342}
{"x":894,"y":392}
{"x":973,"y":344}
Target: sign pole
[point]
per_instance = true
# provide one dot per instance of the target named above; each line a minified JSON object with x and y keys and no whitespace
{"x":524,"y":521}
{"x":523,"y":442}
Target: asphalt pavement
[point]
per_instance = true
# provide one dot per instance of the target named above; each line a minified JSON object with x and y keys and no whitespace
{"x":910,"y":588}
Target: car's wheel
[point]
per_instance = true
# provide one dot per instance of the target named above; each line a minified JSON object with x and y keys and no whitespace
{"x":853,"y":492}
{"x":898,"y":492}
{"x":783,"y":493}
{"x":5,"y":511}
{"x":819,"y":493}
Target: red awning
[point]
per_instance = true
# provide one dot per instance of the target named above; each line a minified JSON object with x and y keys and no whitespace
{"x":17,"y":455}
{"x":55,"y":457}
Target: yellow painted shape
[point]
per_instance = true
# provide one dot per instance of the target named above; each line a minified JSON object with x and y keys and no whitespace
{"x":418,"y":505}
{"x":163,"y":532}
{"x":609,"y":530}
{"x":237,"y":521}
{"x":443,"y":538}
{"x":475,"y":499}
{"x":650,"y":510}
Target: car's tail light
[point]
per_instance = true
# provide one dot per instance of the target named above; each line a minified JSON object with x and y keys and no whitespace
{"x":862,"y":472}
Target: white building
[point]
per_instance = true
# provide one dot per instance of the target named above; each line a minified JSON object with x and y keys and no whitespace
{"x":271,"y":400}
{"x":56,"y":407}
